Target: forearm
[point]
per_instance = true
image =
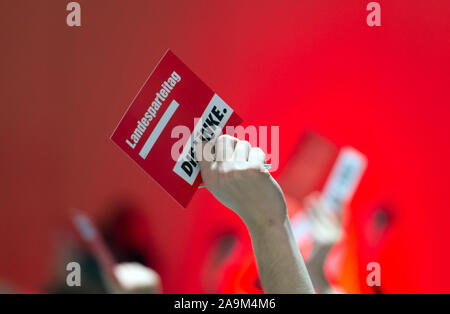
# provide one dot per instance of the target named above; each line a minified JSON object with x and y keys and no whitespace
{"x":280,"y":264}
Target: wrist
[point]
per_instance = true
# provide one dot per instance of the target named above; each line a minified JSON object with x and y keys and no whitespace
{"x":268,"y":225}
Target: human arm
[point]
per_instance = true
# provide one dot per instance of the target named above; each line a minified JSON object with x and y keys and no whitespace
{"x":236,"y":177}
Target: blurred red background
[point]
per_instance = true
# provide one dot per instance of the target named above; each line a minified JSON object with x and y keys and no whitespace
{"x":301,"y":65}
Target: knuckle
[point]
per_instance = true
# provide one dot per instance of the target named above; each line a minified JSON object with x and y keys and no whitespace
{"x":224,"y":171}
{"x":240,"y":165}
{"x":254,"y":167}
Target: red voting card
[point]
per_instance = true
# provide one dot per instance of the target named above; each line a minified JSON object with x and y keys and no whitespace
{"x":172,"y":111}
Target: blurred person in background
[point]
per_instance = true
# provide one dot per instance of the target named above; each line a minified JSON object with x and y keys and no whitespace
{"x":127,"y":235}
{"x":326,"y":230}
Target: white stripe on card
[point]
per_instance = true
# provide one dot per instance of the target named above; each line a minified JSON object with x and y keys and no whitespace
{"x":158,"y":129}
